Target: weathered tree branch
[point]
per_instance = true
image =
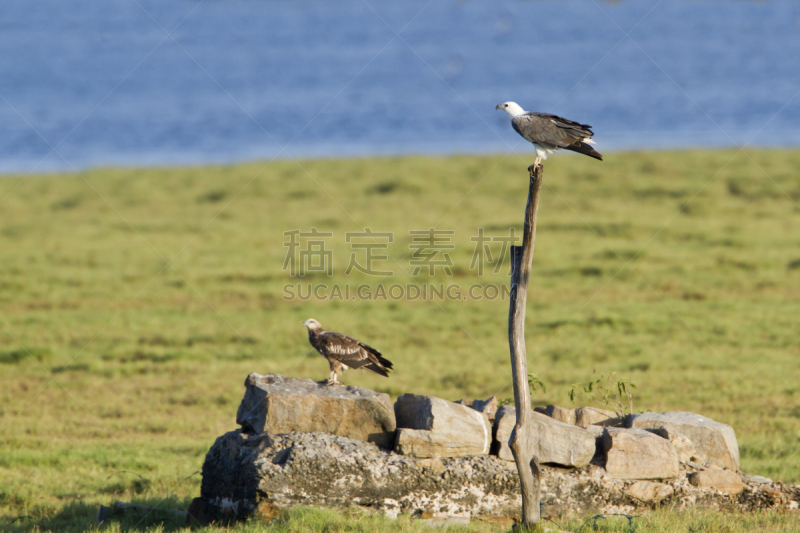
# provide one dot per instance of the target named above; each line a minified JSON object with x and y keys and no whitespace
{"x":520,"y":442}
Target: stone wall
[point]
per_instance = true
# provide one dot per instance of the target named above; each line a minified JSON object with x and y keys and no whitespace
{"x":303,"y":443}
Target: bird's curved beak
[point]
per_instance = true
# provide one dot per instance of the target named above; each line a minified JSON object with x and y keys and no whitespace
{"x":306,"y":323}
{"x":499,"y":106}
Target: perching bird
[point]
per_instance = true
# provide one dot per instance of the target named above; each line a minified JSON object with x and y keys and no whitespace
{"x":549,"y":133}
{"x":343,"y":352}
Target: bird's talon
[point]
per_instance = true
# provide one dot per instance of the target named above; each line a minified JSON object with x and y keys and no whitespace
{"x":533,"y":168}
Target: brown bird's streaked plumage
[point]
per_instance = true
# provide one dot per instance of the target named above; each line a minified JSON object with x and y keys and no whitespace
{"x":343,"y":352}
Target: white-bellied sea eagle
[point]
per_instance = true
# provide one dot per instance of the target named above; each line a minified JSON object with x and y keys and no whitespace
{"x":549,"y":133}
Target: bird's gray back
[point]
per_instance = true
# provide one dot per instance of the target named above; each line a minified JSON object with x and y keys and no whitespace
{"x":550,"y":131}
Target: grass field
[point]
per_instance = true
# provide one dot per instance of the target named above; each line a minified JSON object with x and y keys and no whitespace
{"x":133,"y":304}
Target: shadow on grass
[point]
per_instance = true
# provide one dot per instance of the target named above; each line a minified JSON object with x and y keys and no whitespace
{"x":79,"y":517}
{"x":152,"y":514}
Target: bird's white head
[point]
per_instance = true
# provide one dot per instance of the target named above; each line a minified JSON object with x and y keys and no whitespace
{"x":312,"y":324}
{"x":512,"y":108}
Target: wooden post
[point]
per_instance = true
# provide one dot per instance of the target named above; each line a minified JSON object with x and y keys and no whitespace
{"x":520,"y":442}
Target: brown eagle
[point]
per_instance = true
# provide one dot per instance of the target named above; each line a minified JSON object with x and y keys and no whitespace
{"x":343,"y":352}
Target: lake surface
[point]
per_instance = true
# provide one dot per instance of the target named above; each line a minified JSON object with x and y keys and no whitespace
{"x":150,"y":82}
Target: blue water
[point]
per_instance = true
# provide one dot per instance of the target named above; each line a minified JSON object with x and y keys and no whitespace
{"x":144,"y":82}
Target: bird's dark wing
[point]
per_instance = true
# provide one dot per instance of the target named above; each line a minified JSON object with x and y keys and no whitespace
{"x":342,"y":348}
{"x":550,"y":131}
{"x":352,"y":353}
{"x":369,"y":348}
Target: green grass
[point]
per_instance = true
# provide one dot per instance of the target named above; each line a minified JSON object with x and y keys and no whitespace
{"x":134,"y":302}
{"x":81,"y":517}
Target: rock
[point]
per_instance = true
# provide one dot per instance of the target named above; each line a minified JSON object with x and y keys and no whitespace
{"x":276,"y":404}
{"x":561,"y":444}
{"x":751,"y":479}
{"x":597,"y":432}
{"x":257,"y":475}
{"x":561,"y":414}
{"x":714,"y":441}
{"x":587,"y":416}
{"x":504,"y":423}
{"x":723,"y":480}
{"x":683,"y":446}
{"x":638,"y":454}
{"x":440,"y":428}
{"x":426,"y":444}
{"x":554,"y":442}
{"x":487,"y":407}
{"x":649,"y":491}
{"x":685,"y":449}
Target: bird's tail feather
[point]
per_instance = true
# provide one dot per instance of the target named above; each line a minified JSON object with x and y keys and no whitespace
{"x":378,"y":369}
{"x":384,"y":362}
{"x":377,"y":355}
{"x":585,"y":149}
{"x":380,"y":365}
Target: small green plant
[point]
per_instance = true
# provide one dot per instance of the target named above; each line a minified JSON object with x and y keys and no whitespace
{"x":533,"y":382}
{"x":614,"y":394}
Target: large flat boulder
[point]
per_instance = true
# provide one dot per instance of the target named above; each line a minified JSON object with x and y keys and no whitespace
{"x":427,"y":444}
{"x":433,"y":427}
{"x":638,"y":454}
{"x":277,"y":404}
{"x":714,"y":441}
{"x":554,"y":442}
{"x":258,"y":475}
